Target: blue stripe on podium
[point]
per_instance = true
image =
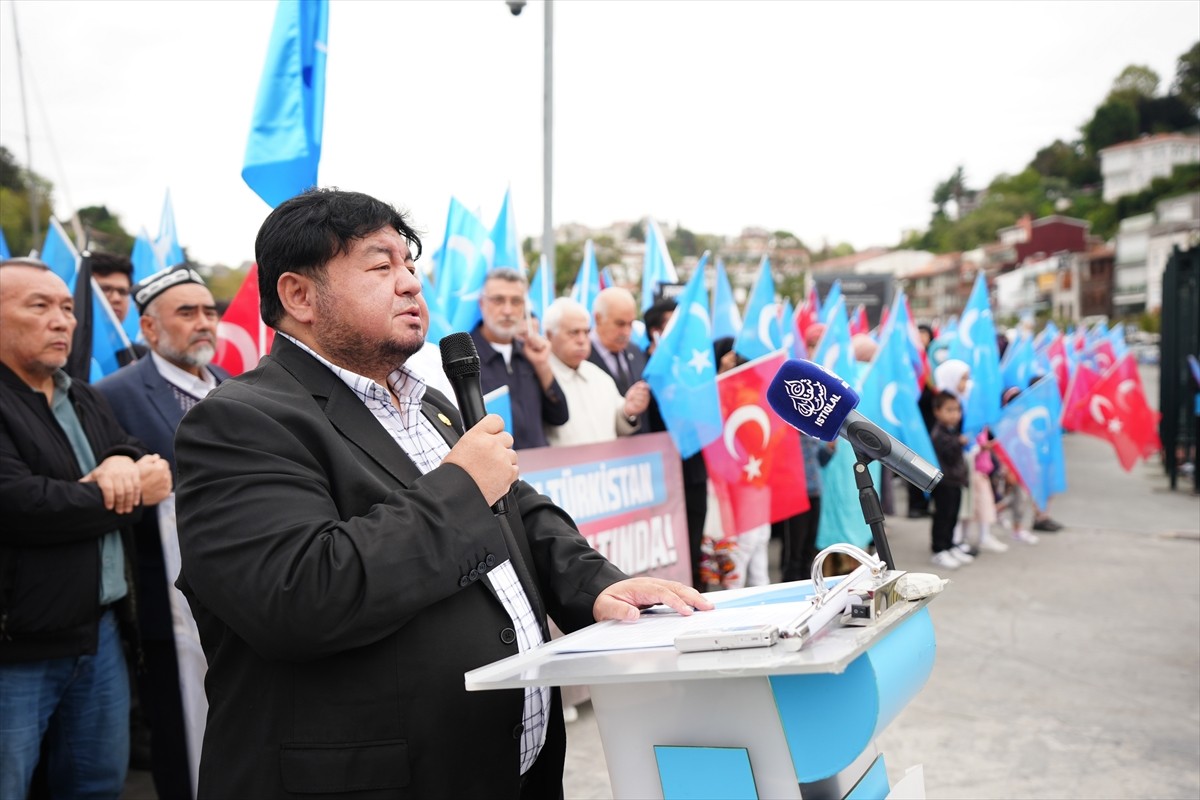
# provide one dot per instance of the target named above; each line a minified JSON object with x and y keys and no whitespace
{"x":874,"y":785}
{"x":705,"y":773}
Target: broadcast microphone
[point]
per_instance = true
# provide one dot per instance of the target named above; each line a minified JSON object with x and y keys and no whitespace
{"x":460,"y":362}
{"x":816,"y":402}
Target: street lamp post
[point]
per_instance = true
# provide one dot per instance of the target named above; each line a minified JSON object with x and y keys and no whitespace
{"x":548,"y":139}
{"x":515,"y":7}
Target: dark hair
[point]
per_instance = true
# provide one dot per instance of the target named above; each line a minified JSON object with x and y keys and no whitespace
{"x":941,"y":398}
{"x":655,"y":316}
{"x":721,"y":347}
{"x":306,"y":232}
{"x":110,"y":264}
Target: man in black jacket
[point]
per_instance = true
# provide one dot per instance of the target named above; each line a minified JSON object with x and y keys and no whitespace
{"x":340,"y":554}
{"x":71,"y":483}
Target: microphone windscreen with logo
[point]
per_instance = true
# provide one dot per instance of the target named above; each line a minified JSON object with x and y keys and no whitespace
{"x":811,"y":399}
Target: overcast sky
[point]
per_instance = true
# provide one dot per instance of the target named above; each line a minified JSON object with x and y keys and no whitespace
{"x":831,"y":120}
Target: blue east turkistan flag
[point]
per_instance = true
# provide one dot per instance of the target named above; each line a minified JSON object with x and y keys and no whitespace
{"x":499,"y":401}
{"x":59,"y":253}
{"x":1045,"y":336}
{"x":835,"y":293}
{"x":1020,"y":364}
{"x":167,"y":252}
{"x":889,"y":394}
{"x":1030,"y":432}
{"x":726,"y":319}
{"x":144,"y":261}
{"x":656,"y":266}
{"x":506,"y":247}
{"x":462,"y":270}
{"x":4,"y":253}
{"x":284,"y":146}
{"x":541,"y":289}
{"x":682,"y":373}
{"x":587,"y":280}
{"x":760,"y":334}
{"x":108,"y":337}
{"x":787,"y":330}
{"x":834,"y":352}
{"x":976,"y":345}
{"x":439,"y":326}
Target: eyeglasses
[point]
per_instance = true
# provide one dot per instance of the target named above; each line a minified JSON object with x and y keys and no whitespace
{"x":501,"y":300}
{"x":114,"y":291}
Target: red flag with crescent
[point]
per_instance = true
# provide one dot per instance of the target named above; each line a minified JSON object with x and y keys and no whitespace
{"x":756,"y":466}
{"x":1118,"y":412}
{"x":242,"y":338}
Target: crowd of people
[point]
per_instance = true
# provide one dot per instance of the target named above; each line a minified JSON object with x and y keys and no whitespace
{"x":335,"y":542}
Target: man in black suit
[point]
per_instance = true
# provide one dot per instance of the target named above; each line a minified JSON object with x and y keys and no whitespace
{"x":340,"y":554}
{"x":613,"y":314}
{"x":150,"y":396}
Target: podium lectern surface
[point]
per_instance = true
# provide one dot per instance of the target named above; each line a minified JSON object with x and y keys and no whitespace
{"x":831,"y":652}
{"x":785,"y":724}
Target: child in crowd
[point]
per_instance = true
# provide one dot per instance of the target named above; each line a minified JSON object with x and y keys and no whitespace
{"x":954,"y":376}
{"x":983,"y":498}
{"x":947,"y":496}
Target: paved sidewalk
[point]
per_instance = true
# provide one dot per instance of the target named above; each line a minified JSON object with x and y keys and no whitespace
{"x":1065,"y":669}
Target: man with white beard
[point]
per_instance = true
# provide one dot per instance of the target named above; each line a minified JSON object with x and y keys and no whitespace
{"x":149,"y":397}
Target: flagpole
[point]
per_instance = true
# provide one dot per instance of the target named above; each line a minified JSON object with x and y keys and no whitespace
{"x":548,"y":138}
{"x":33,"y":203}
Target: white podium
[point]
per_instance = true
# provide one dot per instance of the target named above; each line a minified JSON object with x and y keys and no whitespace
{"x":754,"y":723}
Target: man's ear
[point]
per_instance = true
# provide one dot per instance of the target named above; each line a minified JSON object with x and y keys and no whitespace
{"x":149,"y":326}
{"x":298,"y":295}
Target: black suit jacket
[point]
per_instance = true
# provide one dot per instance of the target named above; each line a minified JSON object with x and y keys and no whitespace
{"x":635,"y":362}
{"x":146,"y":407}
{"x":339,"y":597}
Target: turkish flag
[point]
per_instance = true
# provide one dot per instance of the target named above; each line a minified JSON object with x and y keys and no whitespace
{"x":1056,"y":353}
{"x":1079,"y":393}
{"x":1102,"y":355}
{"x":242,"y":337}
{"x":756,"y":466}
{"x":858,"y":321}
{"x":1119,"y":413}
{"x":808,"y":313}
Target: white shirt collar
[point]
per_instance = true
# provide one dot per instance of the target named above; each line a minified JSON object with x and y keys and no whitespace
{"x":196,"y":387}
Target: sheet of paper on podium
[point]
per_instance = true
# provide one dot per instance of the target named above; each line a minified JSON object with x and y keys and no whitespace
{"x":659,"y":629}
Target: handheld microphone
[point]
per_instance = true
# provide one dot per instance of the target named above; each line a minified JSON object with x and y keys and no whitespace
{"x":460,"y":361}
{"x":816,"y":402}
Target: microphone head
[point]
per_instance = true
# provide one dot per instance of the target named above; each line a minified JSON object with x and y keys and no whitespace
{"x":811,"y":399}
{"x":459,"y":356}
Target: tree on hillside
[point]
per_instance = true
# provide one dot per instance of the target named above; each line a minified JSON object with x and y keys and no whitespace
{"x":1067,"y":161}
{"x":1135,"y":81}
{"x":104,"y":231}
{"x":15,"y":217}
{"x":953,"y":188}
{"x":1187,"y":80}
{"x":1114,"y":122}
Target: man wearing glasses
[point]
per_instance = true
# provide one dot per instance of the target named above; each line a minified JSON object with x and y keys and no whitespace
{"x":114,"y":275}
{"x":512,"y":353}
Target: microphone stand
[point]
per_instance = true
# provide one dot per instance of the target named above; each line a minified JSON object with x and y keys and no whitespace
{"x":872,"y":509}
